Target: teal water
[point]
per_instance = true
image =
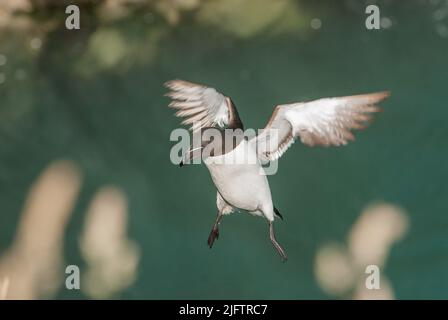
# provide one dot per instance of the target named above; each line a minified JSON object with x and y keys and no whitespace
{"x":96,"y":97}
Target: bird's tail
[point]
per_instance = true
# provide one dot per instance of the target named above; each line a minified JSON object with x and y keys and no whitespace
{"x":277,"y":213}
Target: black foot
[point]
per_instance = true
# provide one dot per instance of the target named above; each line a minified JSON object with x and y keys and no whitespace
{"x":214,"y":234}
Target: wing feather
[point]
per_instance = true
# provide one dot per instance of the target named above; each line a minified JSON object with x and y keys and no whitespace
{"x":324,"y":122}
{"x":202,"y":106}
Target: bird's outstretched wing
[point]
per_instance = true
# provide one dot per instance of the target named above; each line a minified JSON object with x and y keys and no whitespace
{"x":324,"y":122}
{"x":202,"y":106}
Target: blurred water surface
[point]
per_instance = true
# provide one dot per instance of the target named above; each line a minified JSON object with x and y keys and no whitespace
{"x":94,"y":97}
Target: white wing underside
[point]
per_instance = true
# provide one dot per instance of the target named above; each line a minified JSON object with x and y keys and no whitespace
{"x":324,"y":122}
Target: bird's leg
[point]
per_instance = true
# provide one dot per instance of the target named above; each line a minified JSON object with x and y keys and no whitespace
{"x":277,"y":246}
{"x":214,"y":234}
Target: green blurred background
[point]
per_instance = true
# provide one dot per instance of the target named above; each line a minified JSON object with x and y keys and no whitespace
{"x":90,"y":104}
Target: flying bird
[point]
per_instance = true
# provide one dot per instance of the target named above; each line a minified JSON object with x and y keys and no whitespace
{"x":240,"y":184}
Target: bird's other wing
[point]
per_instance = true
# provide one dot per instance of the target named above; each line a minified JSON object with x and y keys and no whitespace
{"x":202,"y":106}
{"x":323,"y":122}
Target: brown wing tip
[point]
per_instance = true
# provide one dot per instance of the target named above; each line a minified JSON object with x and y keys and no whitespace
{"x":377,"y":97}
{"x":170,"y":84}
{"x":380,"y":96}
{"x":177,"y":84}
{"x":369,"y":98}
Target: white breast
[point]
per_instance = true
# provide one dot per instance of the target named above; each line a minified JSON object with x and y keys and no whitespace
{"x":239,"y":178}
